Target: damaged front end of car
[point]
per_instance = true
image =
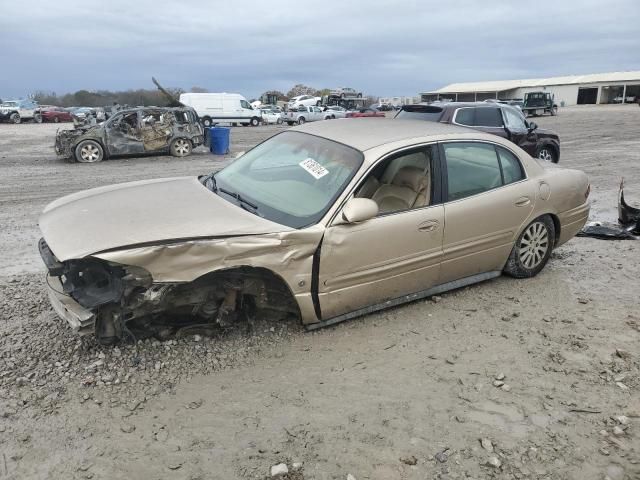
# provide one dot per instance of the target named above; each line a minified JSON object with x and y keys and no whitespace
{"x":66,"y":140}
{"x":114,"y":301}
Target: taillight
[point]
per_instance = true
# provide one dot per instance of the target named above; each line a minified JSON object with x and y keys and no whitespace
{"x":586,"y":194}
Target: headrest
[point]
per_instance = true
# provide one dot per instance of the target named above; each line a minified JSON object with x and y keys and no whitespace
{"x":410,"y":177}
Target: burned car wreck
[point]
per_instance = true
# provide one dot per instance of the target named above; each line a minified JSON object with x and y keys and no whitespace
{"x":136,"y":131}
{"x":325,"y":222}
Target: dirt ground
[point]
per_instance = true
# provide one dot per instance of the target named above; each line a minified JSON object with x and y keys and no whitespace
{"x":409,"y":393}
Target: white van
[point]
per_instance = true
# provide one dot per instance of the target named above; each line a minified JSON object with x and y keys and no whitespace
{"x":215,"y":108}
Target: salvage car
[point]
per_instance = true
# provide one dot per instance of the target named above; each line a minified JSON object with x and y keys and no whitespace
{"x":302,"y":115}
{"x":324,"y":222}
{"x":365,"y":112}
{"x":55,"y":114}
{"x":331,"y":112}
{"x":17,"y":111}
{"x":491,"y":117}
{"x":131,"y":132}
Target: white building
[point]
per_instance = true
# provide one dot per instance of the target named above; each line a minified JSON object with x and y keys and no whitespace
{"x":616,"y":87}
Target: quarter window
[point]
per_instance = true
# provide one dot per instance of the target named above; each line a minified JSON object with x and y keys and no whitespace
{"x":511,"y":168}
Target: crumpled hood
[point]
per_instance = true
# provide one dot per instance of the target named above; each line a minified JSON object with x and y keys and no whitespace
{"x":145,"y":212}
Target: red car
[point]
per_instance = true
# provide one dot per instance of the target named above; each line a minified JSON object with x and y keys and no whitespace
{"x":56,"y":114}
{"x":365,"y":112}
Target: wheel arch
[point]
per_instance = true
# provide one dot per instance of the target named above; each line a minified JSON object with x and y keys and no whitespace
{"x":268,"y":276}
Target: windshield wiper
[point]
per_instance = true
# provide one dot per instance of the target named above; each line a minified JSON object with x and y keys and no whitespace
{"x":238,"y":197}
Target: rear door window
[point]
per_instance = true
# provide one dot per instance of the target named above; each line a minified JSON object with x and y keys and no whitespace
{"x":479,"y":117}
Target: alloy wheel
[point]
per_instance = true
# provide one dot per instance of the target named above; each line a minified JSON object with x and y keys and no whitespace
{"x":534,"y":245}
{"x":89,"y":153}
{"x":181,"y":147}
{"x":546,"y":155}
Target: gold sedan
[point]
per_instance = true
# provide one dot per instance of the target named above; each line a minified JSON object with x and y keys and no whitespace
{"x":326,"y":222}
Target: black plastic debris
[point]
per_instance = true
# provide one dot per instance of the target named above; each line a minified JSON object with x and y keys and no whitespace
{"x":605,"y":231}
{"x":628,"y":216}
{"x":628,"y":223}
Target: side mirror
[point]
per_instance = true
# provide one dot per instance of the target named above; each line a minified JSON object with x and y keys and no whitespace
{"x":358,"y":210}
{"x":532,"y":126}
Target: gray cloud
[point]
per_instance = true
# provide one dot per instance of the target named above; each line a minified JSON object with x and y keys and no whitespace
{"x":381,"y":47}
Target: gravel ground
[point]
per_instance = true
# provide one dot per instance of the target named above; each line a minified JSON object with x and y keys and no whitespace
{"x":533,"y":378}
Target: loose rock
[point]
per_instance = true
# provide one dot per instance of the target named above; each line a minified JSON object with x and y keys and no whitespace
{"x":280,"y":469}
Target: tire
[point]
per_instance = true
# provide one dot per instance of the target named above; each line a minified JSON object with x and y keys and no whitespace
{"x":359,"y":95}
{"x":234,"y":124}
{"x":279,"y":121}
{"x":547,"y":154}
{"x":532,"y":249}
{"x":89,"y":151}
{"x":15,"y":118}
{"x":206,"y":121}
{"x":37,"y":118}
{"x":301,"y":121}
{"x":554,"y":111}
{"x":180,"y":147}
{"x":56,"y":120}
{"x":255,"y":121}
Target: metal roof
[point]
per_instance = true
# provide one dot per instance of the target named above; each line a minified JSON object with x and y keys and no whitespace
{"x":501,"y":85}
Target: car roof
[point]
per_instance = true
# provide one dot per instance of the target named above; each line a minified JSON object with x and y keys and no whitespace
{"x":366,"y":133}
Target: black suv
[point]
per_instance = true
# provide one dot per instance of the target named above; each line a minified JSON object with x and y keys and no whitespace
{"x":491,"y":117}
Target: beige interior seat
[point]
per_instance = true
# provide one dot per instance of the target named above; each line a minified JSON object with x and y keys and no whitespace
{"x":410,"y":188}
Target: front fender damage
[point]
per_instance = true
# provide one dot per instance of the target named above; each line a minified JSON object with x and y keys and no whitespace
{"x":212,"y":283}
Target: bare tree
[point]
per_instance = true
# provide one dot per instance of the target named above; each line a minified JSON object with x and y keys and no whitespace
{"x":301,"y":89}
{"x":199,"y":90}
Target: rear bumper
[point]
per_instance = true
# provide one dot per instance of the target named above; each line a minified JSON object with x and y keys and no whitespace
{"x":572,"y":221}
{"x":79,"y":318}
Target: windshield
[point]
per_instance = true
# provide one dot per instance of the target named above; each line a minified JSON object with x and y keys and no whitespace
{"x":420,"y":112}
{"x":10,"y":104}
{"x":292,"y":178}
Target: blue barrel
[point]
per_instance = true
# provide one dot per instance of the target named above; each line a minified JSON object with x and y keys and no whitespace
{"x":219,"y":140}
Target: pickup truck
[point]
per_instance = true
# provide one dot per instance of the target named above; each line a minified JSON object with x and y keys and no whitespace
{"x":303,"y":114}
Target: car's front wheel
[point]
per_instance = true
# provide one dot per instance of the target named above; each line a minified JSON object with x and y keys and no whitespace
{"x":206,"y":121}
{"x":37,"y":118}
{"x":301,"y":121}
{"x":56,"y":120}
{"x":15,"y":118}
{"x":254,"y":122}
{"x":180,"y":147}
{"x":554,"y":111}
{"x":89,"y":151}
{"x":547,"y":154}
{"x":532,"y":249}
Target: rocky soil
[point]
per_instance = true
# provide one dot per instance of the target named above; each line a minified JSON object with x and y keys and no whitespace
{"x":529,"y":379}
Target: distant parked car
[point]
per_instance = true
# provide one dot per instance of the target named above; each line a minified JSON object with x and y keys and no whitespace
{"x":334,"y":111}
{"x":365,"y":112}
{"x":17,"y":111}
{"x":303,"y":115}
{"x":303,"y":101}
{"x":491,"y":117}
{"x":345,"y":92}
{"x":56,"y":114}
{"x":269,"y":117}
{"x":133,"y":131}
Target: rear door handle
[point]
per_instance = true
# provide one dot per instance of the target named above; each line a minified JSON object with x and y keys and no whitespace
{"x":428,"y":226}
{"x":523,"y":202}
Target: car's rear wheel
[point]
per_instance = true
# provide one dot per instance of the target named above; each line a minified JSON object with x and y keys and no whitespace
{"x":532,"y":249}
{"x":279,"y":121}
{"x":15,"y":118}
{"x":56,"y":120}
{"x":89,"y":151}
{"x":255,"y":121}
{"x":206,"y":121}
{"x":554,"y":111}
{"x":180,"y":147}
{"x":301,"y":121}
{"x":547,"y":154}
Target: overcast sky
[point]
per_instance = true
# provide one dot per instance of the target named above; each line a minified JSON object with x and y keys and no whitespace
{"x":384,"y":48}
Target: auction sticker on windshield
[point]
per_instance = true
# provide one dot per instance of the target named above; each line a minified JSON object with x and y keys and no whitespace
{"x":314,"y":168}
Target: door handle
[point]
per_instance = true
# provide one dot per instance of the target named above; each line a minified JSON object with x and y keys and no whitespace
{"x":428,"y":226}
{"x":523,"y":202}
